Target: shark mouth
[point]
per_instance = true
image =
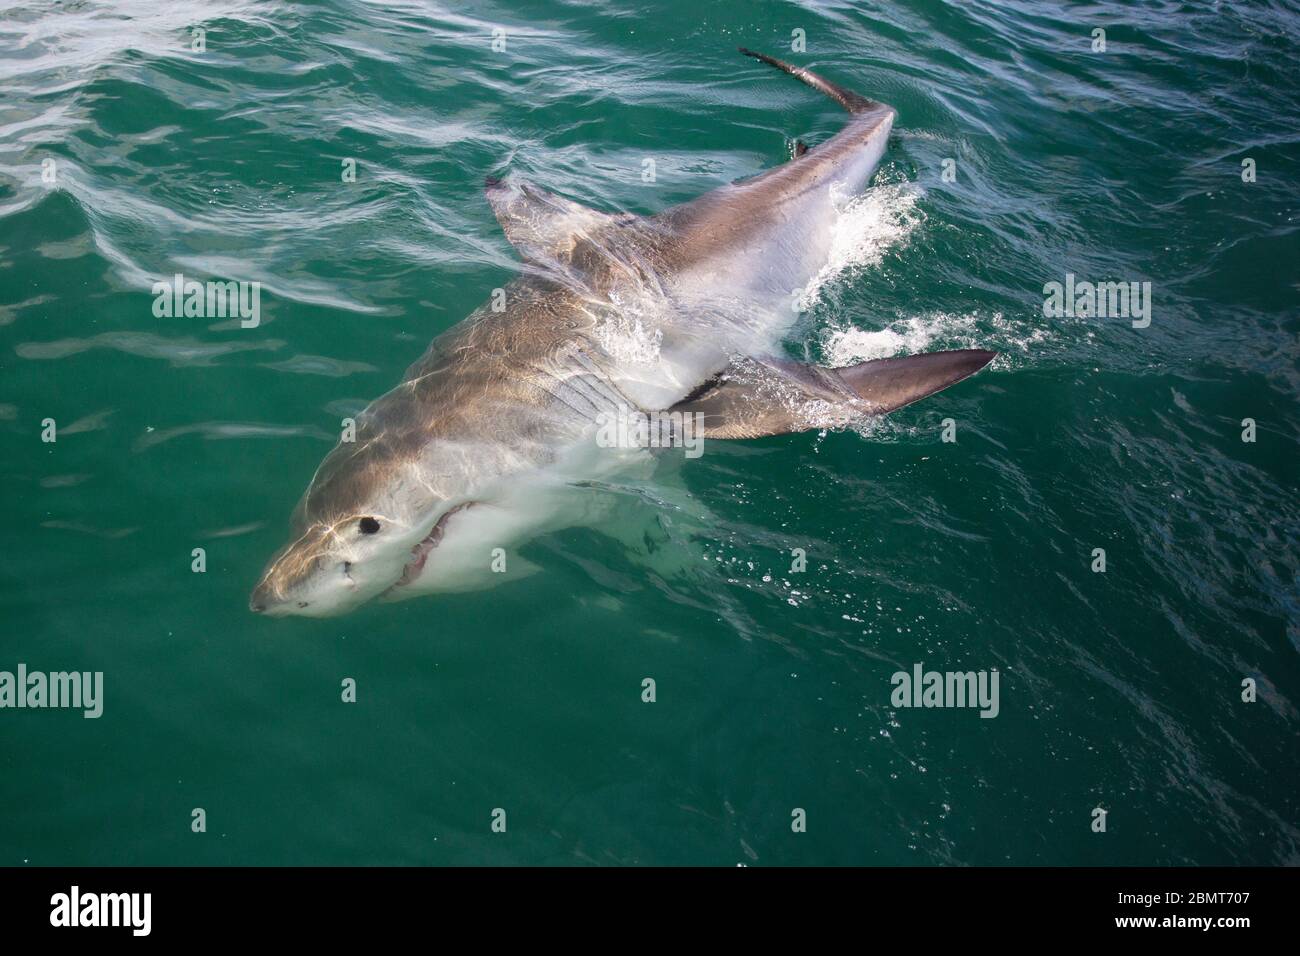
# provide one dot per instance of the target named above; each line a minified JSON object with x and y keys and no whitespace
{"x":420,"y":553}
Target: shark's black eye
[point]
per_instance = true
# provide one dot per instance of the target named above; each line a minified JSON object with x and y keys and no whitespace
{"x":369,"y":525}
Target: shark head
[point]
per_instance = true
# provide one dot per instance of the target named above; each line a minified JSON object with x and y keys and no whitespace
{"x":365,"y":527}
{"x":334,"y":566}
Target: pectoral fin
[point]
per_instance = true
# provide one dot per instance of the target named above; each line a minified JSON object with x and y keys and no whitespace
{"x":752,"y":398}
{"x":545,"y":227}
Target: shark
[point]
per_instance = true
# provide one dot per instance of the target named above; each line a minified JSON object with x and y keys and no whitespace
{"x":491,"y":438}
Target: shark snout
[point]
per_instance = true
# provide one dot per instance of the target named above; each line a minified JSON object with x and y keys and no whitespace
{"x":260,"y":599}
{"x":286,"y":586}
{"x":266,"y":598}
{"x":319,"y":576}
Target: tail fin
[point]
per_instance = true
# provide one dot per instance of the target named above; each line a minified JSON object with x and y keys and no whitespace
{"x":849,"y":100}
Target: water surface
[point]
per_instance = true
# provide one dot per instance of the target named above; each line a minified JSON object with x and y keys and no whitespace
{"x":1119,"y":690}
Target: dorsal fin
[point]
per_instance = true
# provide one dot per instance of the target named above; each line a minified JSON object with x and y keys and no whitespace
{"x":545,"y":227}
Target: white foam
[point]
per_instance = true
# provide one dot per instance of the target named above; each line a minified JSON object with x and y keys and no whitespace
{"x":846,"y":345}
{"x":631,"y":338}
{"x":867,"y":227}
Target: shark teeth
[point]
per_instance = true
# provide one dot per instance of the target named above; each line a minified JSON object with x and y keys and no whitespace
{"x":420,"y":553}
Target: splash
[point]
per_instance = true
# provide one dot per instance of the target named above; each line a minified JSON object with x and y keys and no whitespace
{"x":844,"y":344}
{"x":628,"y":334}
{"x":868,"y":226}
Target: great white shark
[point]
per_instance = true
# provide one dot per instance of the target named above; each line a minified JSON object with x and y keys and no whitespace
{"x":491,"y":437}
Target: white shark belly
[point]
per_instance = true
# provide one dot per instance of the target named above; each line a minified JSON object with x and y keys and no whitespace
{"x":479,"y":546}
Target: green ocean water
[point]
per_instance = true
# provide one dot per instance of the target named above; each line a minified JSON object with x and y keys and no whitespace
{"x":1120,"y":690}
